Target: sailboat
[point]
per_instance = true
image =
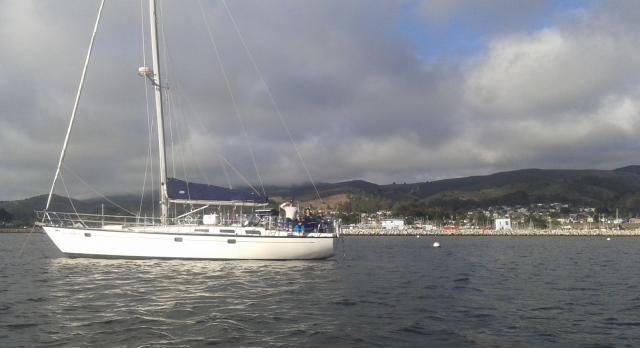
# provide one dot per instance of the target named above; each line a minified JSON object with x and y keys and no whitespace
{"x":220,"y":224}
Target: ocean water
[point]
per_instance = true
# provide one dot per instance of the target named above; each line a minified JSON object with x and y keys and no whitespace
{"x":378,"y":291}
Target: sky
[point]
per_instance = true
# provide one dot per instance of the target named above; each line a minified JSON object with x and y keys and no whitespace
{"x":329,"y":91}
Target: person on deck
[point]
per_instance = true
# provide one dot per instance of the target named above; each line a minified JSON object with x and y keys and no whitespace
{"x":298,"y":227}
{"x":322,"y":223}
{"x":310,"y":222}
{"x":290,"y":211}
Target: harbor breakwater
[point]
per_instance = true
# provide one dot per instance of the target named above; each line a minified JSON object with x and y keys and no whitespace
{"x":478,"y":232}
{"x":20,"y":230}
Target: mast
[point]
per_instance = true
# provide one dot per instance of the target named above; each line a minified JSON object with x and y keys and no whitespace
{"x":164,"y":201}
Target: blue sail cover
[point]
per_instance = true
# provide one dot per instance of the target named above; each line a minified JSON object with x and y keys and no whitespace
{"x":182,"y":190}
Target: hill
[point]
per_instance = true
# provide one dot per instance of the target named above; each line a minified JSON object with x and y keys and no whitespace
{"x":602,"y":189}
{"x":23,"y":211}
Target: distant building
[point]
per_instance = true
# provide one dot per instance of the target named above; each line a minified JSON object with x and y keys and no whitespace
{"x":429,"y":227}
{"x":502,"y":224}
{"x":450,"y":228}
{"x":389,"y":224}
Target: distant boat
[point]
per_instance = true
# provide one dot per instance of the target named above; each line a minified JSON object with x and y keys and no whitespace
{"x":216,"y":234}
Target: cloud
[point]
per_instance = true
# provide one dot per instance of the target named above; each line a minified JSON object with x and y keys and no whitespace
{"x":551,"y":71}
{"x":545,"y":87}
{"x":561,"y":96}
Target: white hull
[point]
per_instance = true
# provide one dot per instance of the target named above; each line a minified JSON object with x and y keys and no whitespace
{"x":172,"y":243}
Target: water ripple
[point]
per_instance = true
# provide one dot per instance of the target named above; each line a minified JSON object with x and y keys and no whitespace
{"x":496,"y":292}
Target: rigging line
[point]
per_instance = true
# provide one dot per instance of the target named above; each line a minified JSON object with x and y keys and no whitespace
{"x":144,"y":183}
{"x":75,"y":105}
{"x":144,"y":53}
{"x":271,"y":97}
{"x":177,"y":104}
{"x":180,"y":140}
{"x":168,"y":111}
{"x":70,"y":200}
{"x":173,"y":154}
{"x":96,"y":192}
{"x":150,"y":139}
{"x":151,"y":123}
{"x":188,"y":143}
{"x":224,"y":170}
{"x":168,"y":97}
{"x":178,"y":137}
{"x":171,"y":100}
{"x":148,"y":161}
{"x":165,"y":62}
{"x":170,"y":107}
{"x":231,"y":94}
{"x":240,"y":175}
{"x":149,"y":156}
{"x":184,"y":169}
{"x":146,"y":97}
{"x":26,"y":240}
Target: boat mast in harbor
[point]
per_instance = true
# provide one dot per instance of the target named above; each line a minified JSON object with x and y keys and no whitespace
{"x":157,"y":83}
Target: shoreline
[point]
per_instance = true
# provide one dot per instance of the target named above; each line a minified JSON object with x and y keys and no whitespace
{"x":21,"y":230}
{"x":487,"y":233}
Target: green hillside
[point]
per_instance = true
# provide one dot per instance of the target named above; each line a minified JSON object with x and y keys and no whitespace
{"x":602,"y":189}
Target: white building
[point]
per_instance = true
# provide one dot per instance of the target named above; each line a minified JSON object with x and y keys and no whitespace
{"x":389,"y":224}
{"x":502,"y":224}
{"x":429,"y":227}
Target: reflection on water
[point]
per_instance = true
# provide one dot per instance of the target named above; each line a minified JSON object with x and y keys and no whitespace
{"x":473,"y":291}
{"x":178,"y":302}
{"x":49,"y":300}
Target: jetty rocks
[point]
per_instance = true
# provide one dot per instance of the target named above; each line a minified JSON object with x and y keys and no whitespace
{"x":478,"y":232}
